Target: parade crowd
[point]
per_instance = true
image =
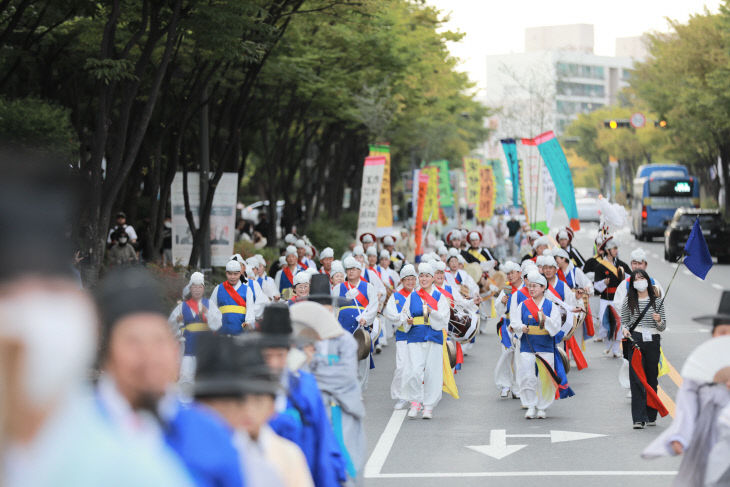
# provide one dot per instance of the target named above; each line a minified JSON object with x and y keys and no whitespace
{"x":261,"y":383}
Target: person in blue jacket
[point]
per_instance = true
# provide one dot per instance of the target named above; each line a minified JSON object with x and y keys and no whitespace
{"x":300,"y":413}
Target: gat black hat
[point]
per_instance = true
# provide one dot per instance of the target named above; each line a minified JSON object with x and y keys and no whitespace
{"x":227,"y":367}
{"x":275,"y":326}
{"x":321,"y":292}
{"x":722,"y":317}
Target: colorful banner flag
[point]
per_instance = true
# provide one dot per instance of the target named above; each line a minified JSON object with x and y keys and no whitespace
{"x":446,"y":197}
{"x":499,"y":179}
{"x":385,"y":206}
{"x":698,"y":258}
{"x":487,"y":194}
{"x":431,"y":202}
{"x":509,"y":146}
{"x":372,"y":179}
{"x":533,"y":185}
{"x":557,"y":164}
{"x":422,"y":186}
{"x":471,"y":169}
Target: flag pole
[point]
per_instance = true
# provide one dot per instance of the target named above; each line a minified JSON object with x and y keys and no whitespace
{"x":679,"y":264}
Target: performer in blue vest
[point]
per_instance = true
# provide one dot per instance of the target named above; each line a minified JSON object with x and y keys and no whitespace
{"x":229,"y":303}
{"x":190,"y":319}
{"x":285,"y":276}
{"x":508,"y":299}
{"x":536,"y":322}
{"x":426,"y":311}
{"x":392,"y":313}
{"x":300,"y":413}
{"x":360,"y":311}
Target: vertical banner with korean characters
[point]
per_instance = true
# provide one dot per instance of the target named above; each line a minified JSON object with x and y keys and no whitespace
{"x":385,"y":206}
{"x":431,"y":201}
{"x":422,"y":187}
{"x":487,"y":194}
{"x":222,"y":217}
{"x":372,"y":178}
{"x":471,"y":169}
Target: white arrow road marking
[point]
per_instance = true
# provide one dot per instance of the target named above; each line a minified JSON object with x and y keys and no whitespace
{"x":385,"y":443}
{"x":497,"y":447}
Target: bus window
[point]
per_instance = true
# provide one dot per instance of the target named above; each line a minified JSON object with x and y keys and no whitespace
{"x":670,"y":187}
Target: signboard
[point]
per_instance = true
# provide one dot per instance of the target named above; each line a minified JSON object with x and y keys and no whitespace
{"x":372,"y":178}
{"x":487,"y":194}
{"x":446,"y":197}
{"x":385,"y":206}
{"x":222,"y":218}
{"x":637,"y":120}
{"x":471,"y":169}
{"x":431,"y":201}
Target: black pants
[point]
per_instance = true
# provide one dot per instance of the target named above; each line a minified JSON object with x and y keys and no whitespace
{"x":640,"y":412}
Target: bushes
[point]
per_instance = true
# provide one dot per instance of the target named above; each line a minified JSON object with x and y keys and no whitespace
{"x":338,"y":234}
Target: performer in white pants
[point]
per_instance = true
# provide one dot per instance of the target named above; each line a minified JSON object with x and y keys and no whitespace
{"x":504,"y":373}
{"x":427,"y":312}
{"x":535,"y":322}
{"x":393,"y":313}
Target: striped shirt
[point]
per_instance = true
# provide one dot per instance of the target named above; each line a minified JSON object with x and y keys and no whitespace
{"x":647,"y":323}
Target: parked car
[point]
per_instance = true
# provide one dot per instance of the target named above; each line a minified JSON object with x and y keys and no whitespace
{"x":587,"y":209}
{"x":714,"y":229}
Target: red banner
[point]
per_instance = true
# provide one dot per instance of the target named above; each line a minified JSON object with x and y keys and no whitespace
{"x":422,"y":188}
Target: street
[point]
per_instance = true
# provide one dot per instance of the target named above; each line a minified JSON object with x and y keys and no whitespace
{"x":481,"y":439}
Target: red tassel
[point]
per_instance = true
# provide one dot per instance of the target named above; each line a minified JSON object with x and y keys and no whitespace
{"x":571,"y":346}
{"x":590,"y":331}
{"x":652,"y":399}
{"x":459,"y":357}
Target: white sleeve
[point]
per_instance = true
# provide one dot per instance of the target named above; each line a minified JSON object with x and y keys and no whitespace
{"x":396,"y":278}
{"x":372,"y":308}
{"x":391,"y":311}
{"x":473,"y":286}
{"x":250,"y":317}
{"x":378,"y":285}
{"x":515,"y":318}
{"x":618,"y":297}
{"x":261,"y":299}
{"x":440,"y":318}
{"x":130,"y":231}
{"x":277,"y":280}
{"x":270,"y":288}
{"x":570,"y":297}
{"x":215,"y":319}
{"x":583,"y":281}
{"x":552,"y":322}
{"x":500,"y":308}
{"x":176,"y":313}
{"x":109,"y":237}
{"x":600,"y":286}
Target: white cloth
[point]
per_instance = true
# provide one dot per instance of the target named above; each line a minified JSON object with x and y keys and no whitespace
{"x":465,"y":280}
{"x":258,"y":470}
{"x":271,"y":290}
{"x":215,"y":318}
{"x":277,"y":277}
{"x":127,"y":228}
{"x":402,"y":364}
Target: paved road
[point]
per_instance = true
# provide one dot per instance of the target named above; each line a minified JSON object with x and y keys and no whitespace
{"x":436,"y":452}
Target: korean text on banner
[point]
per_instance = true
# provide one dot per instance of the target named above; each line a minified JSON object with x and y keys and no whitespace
{"x":446,"y":197}
{"x":431,"y":200}
{"x":422,"y":189}
{"x":471,"y":169}
{"x":557,"y":164}
{"x":385,"y":207}
{"x":499,"y":180}
{"x":372,"y":177}
{"x":509,"y":146}
{"x":487,"y":194}
{"x":222,"y":217}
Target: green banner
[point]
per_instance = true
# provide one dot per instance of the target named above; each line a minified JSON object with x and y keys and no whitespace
{"x":496,"y":166}
{"x":446,"y":196}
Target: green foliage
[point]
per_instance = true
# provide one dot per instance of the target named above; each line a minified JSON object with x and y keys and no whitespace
{"x":34,"y":123}
{"x":326,"y":232}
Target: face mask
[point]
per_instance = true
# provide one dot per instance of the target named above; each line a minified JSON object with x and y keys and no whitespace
{"x":122,"y":241}
{"x":641,"y":285}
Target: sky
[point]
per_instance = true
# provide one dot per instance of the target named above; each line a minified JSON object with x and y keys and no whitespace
{"x":498,"y":27}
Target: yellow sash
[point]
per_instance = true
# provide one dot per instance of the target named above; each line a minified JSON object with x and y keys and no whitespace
{"x":232,"y":308}
{"x":478,"y":254}
{"x":196,"y":327}
{"x":608,"y":266}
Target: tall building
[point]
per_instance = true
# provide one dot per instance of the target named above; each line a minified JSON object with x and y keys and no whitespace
{"x":557,"y":78}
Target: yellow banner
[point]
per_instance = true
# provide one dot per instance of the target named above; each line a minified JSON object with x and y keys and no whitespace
{"x":431,"y":205}
{"x":471,"y":169}
{"x":487,"y":194}
{"x":385,"y":207}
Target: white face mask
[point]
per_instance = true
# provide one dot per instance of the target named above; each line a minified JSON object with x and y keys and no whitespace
{"x":641,"y":285}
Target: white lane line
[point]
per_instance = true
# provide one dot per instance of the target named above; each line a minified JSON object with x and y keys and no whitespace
{"x":580,"y":473}
{"x":384,"y":445}
{"x":717,"y":286}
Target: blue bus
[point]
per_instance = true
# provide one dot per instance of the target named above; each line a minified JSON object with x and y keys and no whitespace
{"x":659,"y":189}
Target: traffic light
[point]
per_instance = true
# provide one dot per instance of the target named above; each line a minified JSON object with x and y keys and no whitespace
{"x":660,"y":123}
{"x":616,"y":123}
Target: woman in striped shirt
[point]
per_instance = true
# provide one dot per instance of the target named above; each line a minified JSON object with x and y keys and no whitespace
{"x":645,"y":335}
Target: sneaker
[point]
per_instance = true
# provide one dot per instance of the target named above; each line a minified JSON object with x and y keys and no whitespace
{"x":638,"y":426}
{"x":651,"y":423}
{"x":523,"y":406}
{"x":541,"y":414}
{"x":427,"y":413}
{"x":413,"y":411}
{"x":504,"y":393}
{"x":515,"y":396}
{"x":401,"y":404}
{"x":530,"y":414}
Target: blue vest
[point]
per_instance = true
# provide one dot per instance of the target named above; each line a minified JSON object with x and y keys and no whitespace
{"x":284,"y":282}
{"x":194,"y":326}
{"x":540,"y":343}
{"x":305,"y":422}
{"x":420,"y":333}
{"x":349,"y":314}
{"x":505,"y":334}
{"x":570,"y":278}
{"x":560,"y":288}
{"x":204,"y":443}
{"x":400,"y":300}
{"x":234,"y":316}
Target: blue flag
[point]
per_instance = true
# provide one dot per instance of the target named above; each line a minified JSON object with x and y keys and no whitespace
{"x":697,"y":255}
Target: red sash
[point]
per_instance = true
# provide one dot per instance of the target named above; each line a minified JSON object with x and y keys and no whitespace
{"x":404,"y":292}
{"x":323,"y":271}
{"x":193,"y":305}
{"x":289,"y":275}
{"x":524,"y":291}
{"x":376,"y":271}
{"x":432,"y":303}
{"x":534,"y":259}
{"x":360,"y":298}
{"x":532,"y":307}
{"x":305,"y":266}
{"x":561,"y":276}
{"x":234,"y":294}
{"x":554,"y":291}
{"x":447,"y":294}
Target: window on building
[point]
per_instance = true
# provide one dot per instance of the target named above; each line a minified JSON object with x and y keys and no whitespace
{"x":580,"y":89}
{"x":571,"y":70}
